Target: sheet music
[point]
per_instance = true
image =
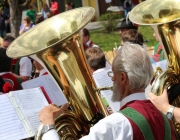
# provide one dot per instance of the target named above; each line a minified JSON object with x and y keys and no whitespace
{"x":51,"y":88}
{"x":11,"y":127}
{"x":162,"y":64}
{"x":30,"y":102}
{"x":102,"y":79}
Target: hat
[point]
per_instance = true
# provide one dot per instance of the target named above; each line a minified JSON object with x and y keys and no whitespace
{"x":127,"y":25}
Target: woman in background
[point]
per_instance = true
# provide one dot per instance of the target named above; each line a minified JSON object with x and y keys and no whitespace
{"x":26,"y":25}
{"x":45,"y":10}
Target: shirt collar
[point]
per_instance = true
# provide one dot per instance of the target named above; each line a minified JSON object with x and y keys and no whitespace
{"x":88,"y":43}
{"x":135,"y":96}
{"x":99,"y":70}
{"x":42,"y":72}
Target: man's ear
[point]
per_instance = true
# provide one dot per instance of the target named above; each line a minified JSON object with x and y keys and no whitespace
{"x":123,"y":78}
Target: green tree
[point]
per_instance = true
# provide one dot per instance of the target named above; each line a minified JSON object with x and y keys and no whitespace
{"x":16,"y":8}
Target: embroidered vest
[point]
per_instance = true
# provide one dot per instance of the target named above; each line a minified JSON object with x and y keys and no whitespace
{"x":147,"y":122}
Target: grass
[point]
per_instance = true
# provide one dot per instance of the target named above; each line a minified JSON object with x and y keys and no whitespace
{"x":106,"y":41}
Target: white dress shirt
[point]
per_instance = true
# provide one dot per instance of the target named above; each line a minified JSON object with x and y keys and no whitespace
{"x":113,"y":127}
{"x":93,"y":45}
{"x":42,"y":72}
{"x":25,"y":67}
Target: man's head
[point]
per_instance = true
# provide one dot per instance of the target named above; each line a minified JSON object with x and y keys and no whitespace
{"x":96,"y":58}
{"x":7,"y":41}
{"x":26,"y":20}
{"x":132,"y":36}
{"x":68,"y":6}
{"x":5,"y":61}
{"x":132,"y":71}
{"x":126,"y":25}
{"x":85,"y":36}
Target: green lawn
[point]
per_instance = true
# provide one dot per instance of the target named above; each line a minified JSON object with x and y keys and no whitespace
{"x":107,"y":41}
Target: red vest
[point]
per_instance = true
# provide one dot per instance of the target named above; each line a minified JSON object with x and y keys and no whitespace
{"x":154,"y":118}
{"x":90,"y":45}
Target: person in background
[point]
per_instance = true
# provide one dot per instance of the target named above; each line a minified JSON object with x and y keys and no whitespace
{"x":131,"y":73}
{"x":96,"y":59}
{"x":39,"y":19}
{"x":54,"y":7}
{"x":158,"y":51}
{"x":127,"y":6}
{"x":20,"y":67}
{"x":68,"y":6}
{"x":7,"y":41}
{"x":5,"y":71}
{"x":48,"y":15}
{"x":72,"y":4}
{"x":6,"y":12}
{"x":3,"y":19}
{"x":26,"y":25}
{"x":86,"y":39}
{"x":31,"y":13}
{"x":134,"y":37}
{"x":126,"y":25}
{"x":45,"y":10}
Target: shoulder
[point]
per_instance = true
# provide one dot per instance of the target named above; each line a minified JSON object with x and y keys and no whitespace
{"x":24,"y":60}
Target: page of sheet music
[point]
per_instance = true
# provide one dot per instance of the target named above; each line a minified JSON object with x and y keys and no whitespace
{"x":30,"y":102}
{"x":162,"y":64}
{"x":102,"y":79}
{"x":11,"y":127}
{"x":53,"y":91}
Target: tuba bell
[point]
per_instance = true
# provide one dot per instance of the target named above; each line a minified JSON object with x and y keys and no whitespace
{"x":56,"y":44}
{"x":164,"y":17}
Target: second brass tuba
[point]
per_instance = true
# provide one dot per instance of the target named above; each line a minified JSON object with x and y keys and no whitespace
{"x":56,"y":44}
{"x":164,"y":17}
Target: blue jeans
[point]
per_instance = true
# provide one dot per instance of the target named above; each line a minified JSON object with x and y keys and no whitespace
{"x":126,"y":11}
{"x":2,"y":33}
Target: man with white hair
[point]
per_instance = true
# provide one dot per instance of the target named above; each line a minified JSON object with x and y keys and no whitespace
{"x":138,"y":118}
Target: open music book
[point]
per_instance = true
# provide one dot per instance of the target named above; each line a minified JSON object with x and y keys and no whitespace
{"x":52,"y":89}
{"x":19,"y":113}
{"x":102,"y":80}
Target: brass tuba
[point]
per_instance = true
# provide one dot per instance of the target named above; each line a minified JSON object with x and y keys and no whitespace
{"x":164,"y":17}
{"x":56,"y":44}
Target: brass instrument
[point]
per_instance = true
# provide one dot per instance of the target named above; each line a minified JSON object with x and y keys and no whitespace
{"x":56,"y":44}
{"x":163,"y":16}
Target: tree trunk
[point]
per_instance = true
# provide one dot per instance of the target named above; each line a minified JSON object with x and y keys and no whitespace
{"x":16,"y":15}
{"x":16,"y":8}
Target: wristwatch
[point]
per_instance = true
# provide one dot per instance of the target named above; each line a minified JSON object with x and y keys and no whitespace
{"x":46,"y":128}
{"x":169,"y":113}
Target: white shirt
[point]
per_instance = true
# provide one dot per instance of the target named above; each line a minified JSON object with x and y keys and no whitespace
{"x":113,"y":127}
{"x":43,"y":71}
{"x":25,"y":66}
{"x":93,"y":45}
{"x":99,"y":70}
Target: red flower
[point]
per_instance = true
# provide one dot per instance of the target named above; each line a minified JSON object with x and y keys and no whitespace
{"x":7,"y":87}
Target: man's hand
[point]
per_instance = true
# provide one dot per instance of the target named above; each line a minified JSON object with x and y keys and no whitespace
{"x":49,"y":113}
{"x":161,"y":102}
